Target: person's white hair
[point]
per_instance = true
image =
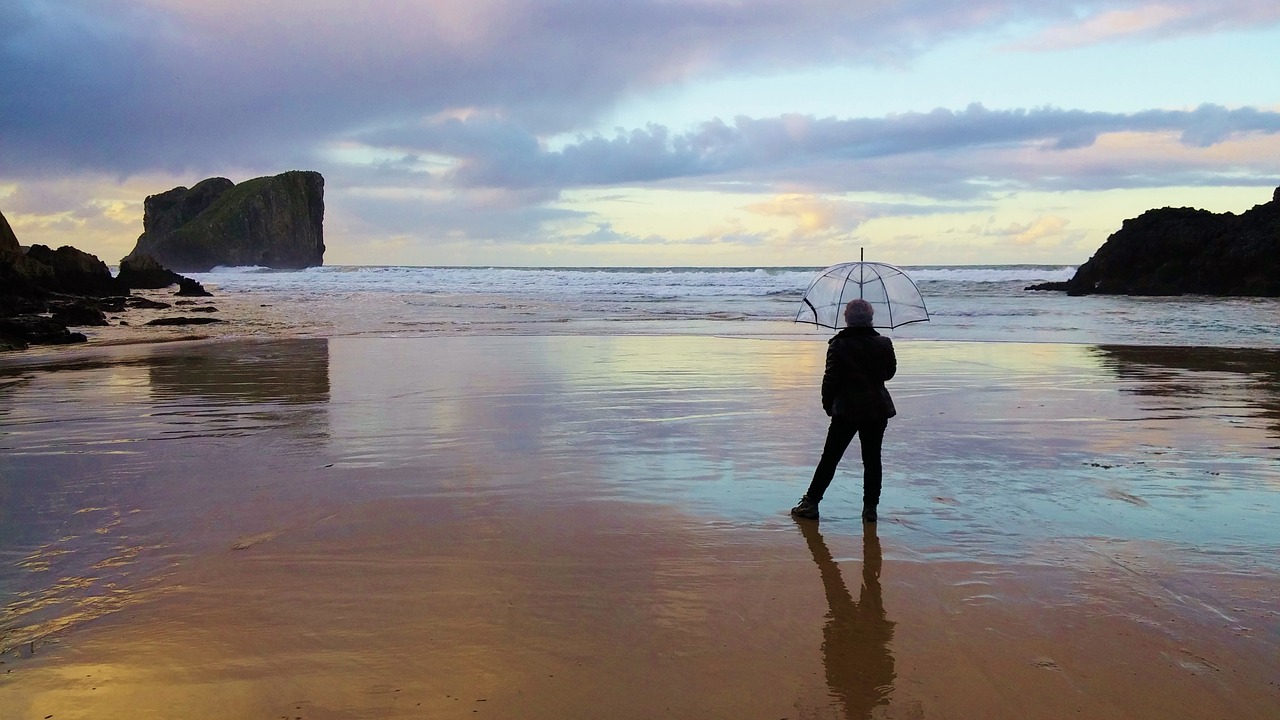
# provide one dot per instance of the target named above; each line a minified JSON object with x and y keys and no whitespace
{"x":858,"y":313}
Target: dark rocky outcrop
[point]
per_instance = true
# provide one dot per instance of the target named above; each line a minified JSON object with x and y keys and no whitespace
{"x":23,"y":277}
{"x":76,"y":272}
{"x":190,"y":288}
{"x":144,"y":272}
{"x":180,"y":320}
{"x":19,"y":331}
{"x":274,"y":222}
{"x":19,"y":276}
{"x":8,"y":241}
{"x":65,"y":283}
{"x":78,"y":313}
{"x":43,"y":292}
{"x":1175,"y":251}
{"x":141,"y":303}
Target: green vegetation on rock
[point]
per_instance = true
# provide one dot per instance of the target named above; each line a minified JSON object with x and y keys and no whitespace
{"x":274,"y":222}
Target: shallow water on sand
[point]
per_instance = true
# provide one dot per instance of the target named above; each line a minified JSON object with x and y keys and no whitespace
{"x":119,"y":466}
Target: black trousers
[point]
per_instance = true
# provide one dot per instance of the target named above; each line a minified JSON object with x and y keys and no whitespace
{"x":839,"y":435}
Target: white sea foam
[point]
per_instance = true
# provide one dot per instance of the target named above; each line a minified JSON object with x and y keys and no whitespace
{"x":987,"y":303}
{"x":643,"y":283}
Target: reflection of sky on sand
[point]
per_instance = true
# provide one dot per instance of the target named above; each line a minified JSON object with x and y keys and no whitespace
{"x":1003,"y":442}
{"x":99,"y":454}
{"x":1236,"y":385}
{"x":603,"y":416}
{"x":562,"y":400}
{"x":461,"y":493}
{"x":995,"y":444}
{"x":998,"y":450}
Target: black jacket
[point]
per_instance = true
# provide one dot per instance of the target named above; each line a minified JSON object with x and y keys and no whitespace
{"x":859,"y":360}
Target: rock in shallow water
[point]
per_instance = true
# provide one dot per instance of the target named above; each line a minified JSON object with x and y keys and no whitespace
{"x":184,"y":321}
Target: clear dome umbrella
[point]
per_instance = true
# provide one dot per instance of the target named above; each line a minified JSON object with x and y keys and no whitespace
{"x":890,"y":291}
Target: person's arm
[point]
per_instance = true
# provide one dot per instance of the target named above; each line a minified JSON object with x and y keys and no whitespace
{"x":829,"y":381}
{"x":890,"y":360}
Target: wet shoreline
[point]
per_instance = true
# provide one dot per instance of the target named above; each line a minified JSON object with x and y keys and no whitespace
{"x":335,"y":522}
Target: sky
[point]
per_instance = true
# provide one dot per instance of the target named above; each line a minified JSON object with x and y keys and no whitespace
{"x":647,"y":132}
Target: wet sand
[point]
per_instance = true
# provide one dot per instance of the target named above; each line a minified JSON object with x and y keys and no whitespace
{"x":551,"y":527}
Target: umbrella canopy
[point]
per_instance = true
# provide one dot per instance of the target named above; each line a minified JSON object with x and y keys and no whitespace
{"x":894,"y":296}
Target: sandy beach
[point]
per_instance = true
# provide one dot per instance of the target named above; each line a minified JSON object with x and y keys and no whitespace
{"x":595,"y":526}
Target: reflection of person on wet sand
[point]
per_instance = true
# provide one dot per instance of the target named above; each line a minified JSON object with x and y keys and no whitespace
{"x":855,"y":641}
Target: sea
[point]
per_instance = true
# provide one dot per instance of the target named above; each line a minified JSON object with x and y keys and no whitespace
{"x":988,"y":303}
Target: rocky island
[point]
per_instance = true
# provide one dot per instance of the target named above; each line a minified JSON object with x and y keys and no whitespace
{"x":1176,"y":251}
{"x":274,"y":222}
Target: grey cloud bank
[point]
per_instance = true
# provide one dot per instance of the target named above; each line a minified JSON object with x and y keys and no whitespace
{"x":123,"y":87}
{"x":495,"y":153}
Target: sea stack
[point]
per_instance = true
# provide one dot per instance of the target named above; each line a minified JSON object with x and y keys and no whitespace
{"x":274,"y":222}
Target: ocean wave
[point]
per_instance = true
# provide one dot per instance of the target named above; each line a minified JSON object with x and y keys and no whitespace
{"x":649,"y":282}
{"x":993,"y":273}
{"x":966,"y":302}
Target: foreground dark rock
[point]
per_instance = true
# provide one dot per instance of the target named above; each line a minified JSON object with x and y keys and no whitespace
{"x":180,"y":320}
{"x":1175,"y":251}
{"x":19,"y":331}
{"x":44,"y":292}
{"x":274,"y":222}
{"x":20,"y":276}
{"x":145,"y":272}
{"x":78,"y":313}
{"x":144,"y":303}
{"x":8,"y":241}
{"x":65,"y":283}
{"x":76,"y":272}
{"x":190,"y":288}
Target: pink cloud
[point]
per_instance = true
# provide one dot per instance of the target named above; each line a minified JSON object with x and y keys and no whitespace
{"x":1153,"y":20}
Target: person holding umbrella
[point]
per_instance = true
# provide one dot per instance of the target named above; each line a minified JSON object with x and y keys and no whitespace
{"x":859,"y":361}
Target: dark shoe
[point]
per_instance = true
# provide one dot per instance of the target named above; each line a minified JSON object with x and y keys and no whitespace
{"x":807,"y":509}
{"x":868,"y":513}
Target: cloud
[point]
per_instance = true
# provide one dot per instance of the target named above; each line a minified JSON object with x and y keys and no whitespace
{"x":815,"y":214}
{"x":448,"y":216}
{"x":130,"y":86}
{"x":1150,"y":21}
{"x":472,"y":121}
{"x":89,"y":212}
{"x":1036,"y":231}
{"x":604,"y":234}
{"x":497,"y":153}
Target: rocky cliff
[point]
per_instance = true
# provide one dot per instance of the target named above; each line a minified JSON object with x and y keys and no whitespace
{"x":1174,"y":251}
{"x":8,"y":241}
{"x":274,"y":222}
